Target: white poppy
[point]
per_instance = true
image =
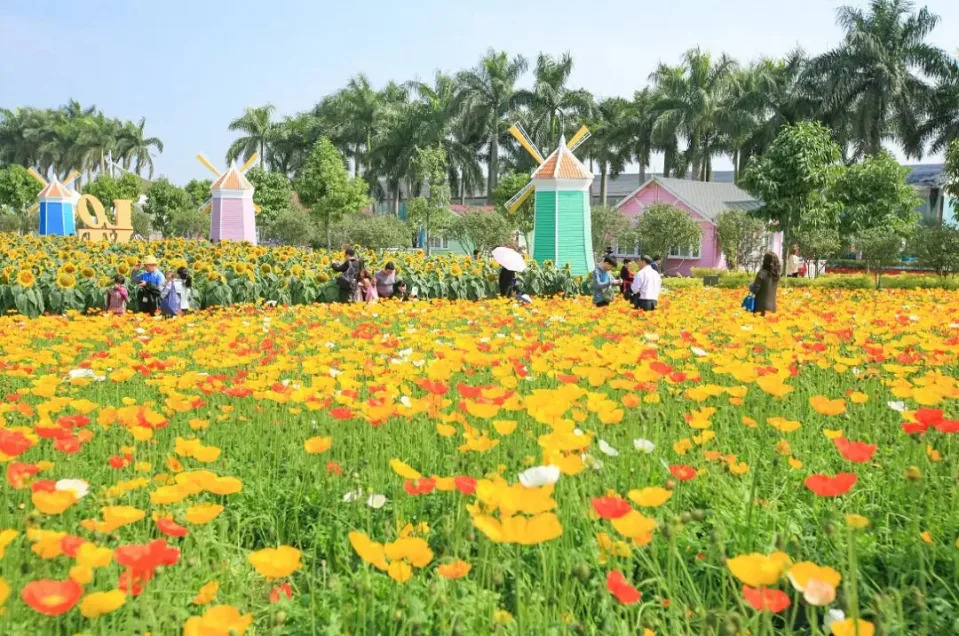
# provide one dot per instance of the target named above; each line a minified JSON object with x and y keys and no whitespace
{"x":82,"y":373}
{"x":539,"y":476}
{"x":592,"y":462}
{"x":606,"y":449}
{"x":643,"y":445}
{"x":832,"y":616}
{"x":353,"y":495}
{"x":78,"y":487}
{"x":405,"y":401}
{"x":651,"y":336}
{"x":418,"y":363}
{"x":578,"y":431}
{"x":405,"y":353}
{"x":331,"y":345}
{"x":899,"y":406}
{"x":701,"y":353}
{"x":334,"y":372}
{"x":376,"y":501}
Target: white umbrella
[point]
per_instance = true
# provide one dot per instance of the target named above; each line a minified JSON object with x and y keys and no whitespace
{"x":510,"y":259}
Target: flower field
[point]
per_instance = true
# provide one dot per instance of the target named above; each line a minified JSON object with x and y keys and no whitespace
{"x":477,"y":467}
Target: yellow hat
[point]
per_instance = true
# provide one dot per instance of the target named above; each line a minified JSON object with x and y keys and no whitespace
{"x":150,"y":260}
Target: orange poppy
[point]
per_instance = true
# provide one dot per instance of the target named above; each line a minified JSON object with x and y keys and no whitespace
{"x":50,"y":597}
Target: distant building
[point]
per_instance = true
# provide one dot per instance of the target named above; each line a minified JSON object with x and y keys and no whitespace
{"x":704,"y":201}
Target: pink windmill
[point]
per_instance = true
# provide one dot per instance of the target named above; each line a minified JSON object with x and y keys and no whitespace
{"x":231,"y":207}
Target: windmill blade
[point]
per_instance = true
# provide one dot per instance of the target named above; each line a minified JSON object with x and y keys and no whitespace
{"x":249,"y":163}
{"x":36,"y":175}
{"x":206,"y":162}
{"x":517,"y":200}
{"x":207,"y":207}
{"x":517,"y":131}
{"x":581,"y":135}
{"x":71,"y":177}
{"x":257,"y":208}
{"x":34,"y":208}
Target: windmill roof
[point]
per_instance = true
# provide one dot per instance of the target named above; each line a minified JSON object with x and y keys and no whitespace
{"x":55,"y":190}
{"x":562,"y":164}
{"x":708,"y":198}
{"x":232,"y":179}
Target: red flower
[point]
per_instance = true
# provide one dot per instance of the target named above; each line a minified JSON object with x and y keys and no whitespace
{"x":660,"y":367}
{"x":422,"y":486}
{"x":73,"y":421}
{"x":118,"y":462}
{"x":611,"y":507}
{"x":764,"y":599}
{"x":910,"y":428}
{"x":341,"y":413}
{"x":468,"y":392}
{"x":171,"y":528}
{"x":13,"y":443}
{"x":682,"y":472}
{"x":567,"y":379}
{"x":465,"y":484}
{"x":332,"y":468}
{"x":947,"y":426}
{"x":50,"y":597}
{"x":436,"y":388}
{"x":858,"y":452}
{"x":826,"y":486}
{"x":70,"y":544}
{"x":280,"y":591}
{"x":45,"y":485}
{"x":623,"y":591}
{"x":18,"y":473}
{"x":68,"y":444}
{"x":142,"y":561}
{"x":928,"y":417}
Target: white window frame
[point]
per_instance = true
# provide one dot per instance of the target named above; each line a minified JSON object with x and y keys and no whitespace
{"x":439,"y":242}
{"x":688,"y":254}
{"x":636,"y":247}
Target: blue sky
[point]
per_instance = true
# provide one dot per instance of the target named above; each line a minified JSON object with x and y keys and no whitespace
{"x":191,"y":66}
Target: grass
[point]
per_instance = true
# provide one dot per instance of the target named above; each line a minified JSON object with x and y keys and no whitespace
{"x":890,"y":346}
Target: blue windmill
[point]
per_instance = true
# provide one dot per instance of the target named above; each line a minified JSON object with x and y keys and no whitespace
{"x":57,"y":204}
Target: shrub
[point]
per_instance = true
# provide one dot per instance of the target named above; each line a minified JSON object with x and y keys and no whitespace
{"x":703,"y":272}
{"x":682,"y":283}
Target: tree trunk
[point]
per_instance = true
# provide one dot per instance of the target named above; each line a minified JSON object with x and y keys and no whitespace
{"x":642,"y":173}
{"x":493,"y":166}
{"x":329,"y":236}
{"x":462,"y":190}
{"x":736,"y":165}
{"x":426,"y":232}
{"x":263,"y":154}
{"x":667,"y":161}
{"x":603,"y":180}
{"x":396,"y":200}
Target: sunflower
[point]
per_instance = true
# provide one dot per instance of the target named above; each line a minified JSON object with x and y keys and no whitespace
{"x":25,"y":278}
{"x":265,"y":269}
{"x":66,"y":280}
{"x":123,"y":269}
{"x":87,"y":272}
{"x":215,"y":277}
{"x":239,"y":267}
{"x":322,"y":277}
{"x":68,"y":268}
{"x":296,"y":270}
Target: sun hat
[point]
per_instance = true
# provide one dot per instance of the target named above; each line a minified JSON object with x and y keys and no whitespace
{"x":150,"y":260}
{"x":648,"y":260}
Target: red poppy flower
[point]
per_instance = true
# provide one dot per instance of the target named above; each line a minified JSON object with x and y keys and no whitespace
{"x":171,"y":528}
{"x":332,"y":468}
{"x":858,"y":452}
{"x":68,"y":444}
{"x":70,"y":544}
{"x":467,"y":391}
{"x":51,"y":432}
{"x":465,"y":484}
{"x":132,"y":582}
{"x":435,"y":388}
{"x":618,"y":586}
{"x":682,"y":472}
{"x":947,"y":426}
{"x":118,"y":462}
{"x":912,"y":428}
{"x":45,"y":485}
{"x":826,"y":486}
{"x":50,"y":597}
{"x":73,"y":421}
{"x":341,"y":413}
{"x":611,"y":507}
{"x":765,"y":599}
{"x":567,"y":379}
{"x":422,"y":486}
{"x":19,"y":473}
{"x":13,"y":443}
{"x":928,"y":417}
{"x":280,"y":591}
{"x":660,"y":367}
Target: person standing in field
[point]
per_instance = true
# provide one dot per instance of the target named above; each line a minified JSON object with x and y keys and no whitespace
{"x":647,"y":283}
{"x":793,"y":263}
{"x":766,"y":284}
{"x":626,"y":276}
{"x":601,"y":283}
{"x":149,"y":283}
{"x":118,"y":296}
{"x":385,"y":279}
{"x":181,"y":287}
{"x":349,"y":275}
{"x":507,"y":282}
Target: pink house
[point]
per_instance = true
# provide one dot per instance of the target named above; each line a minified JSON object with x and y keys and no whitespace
{"x":704,"y":201}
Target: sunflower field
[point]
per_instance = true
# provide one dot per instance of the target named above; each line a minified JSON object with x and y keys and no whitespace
{"x":483,"y":467}
{"x":55,"y":275}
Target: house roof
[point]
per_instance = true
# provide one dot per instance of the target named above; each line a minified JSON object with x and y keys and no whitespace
{"x":562,"y":164}
{"x":55,"y":190}
{"x":707,"y":198}
{"x":232,"y":179}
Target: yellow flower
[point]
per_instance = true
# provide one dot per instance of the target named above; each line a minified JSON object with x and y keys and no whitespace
{"x":857,"y":521}
{"x":99,"y":603}
{"x":858,"y":397}
{"x":758,"y":570}
{"x":275,"y":563}
{"x":6,"y":537}
{"x":651,"y":497}
{"x":404,"y":470}
{"x":824,"y":406}
{"x":4,"y":593}
{"x":926,"y":537}
{"x":848,"y":627}
{"x":317,"y":445}
{"x":25,"y":278}
{"x":800,"y":574}
{"x":502,"y":617}
{"x":783,"y":425}
{"x":66,"y":281}
{"x":207,"y":593}
{"x":203,"y":513}
{"x":504,"y":427}
{"x":218,"y":620}
{"x":53,"y":503}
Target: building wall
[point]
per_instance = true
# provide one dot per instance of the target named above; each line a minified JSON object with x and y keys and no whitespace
{"x":232,"y":220}
{"x":709,"y":253}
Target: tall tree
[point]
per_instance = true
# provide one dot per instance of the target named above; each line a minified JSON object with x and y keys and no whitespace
{"x":133,"y":147}
{"x":361,"y":108}
{"x":609,"y":144}
{"x":258,"y":134}
{"x":432,"y":215}
{"x":325,"y":187}
{"x":552,"y":103}
{"x":880,"y":73}
{"x":490,"y":95}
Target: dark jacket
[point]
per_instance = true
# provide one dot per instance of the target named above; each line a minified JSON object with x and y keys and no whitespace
{"x":507,"y":279}
{"x":766,"y":285}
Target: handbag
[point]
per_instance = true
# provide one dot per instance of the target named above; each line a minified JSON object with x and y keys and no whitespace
{"x":749,"y":303}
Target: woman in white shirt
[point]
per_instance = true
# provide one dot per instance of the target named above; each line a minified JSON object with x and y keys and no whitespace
{"x":182,"y":286}
{"x":647,"y":283}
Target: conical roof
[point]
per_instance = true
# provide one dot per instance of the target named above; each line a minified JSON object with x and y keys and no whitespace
{"x":562,"y":164}
{"x":232,"y":179}
{"x":55,"y":190}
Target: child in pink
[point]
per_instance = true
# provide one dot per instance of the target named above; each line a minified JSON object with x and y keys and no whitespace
{"x":117,"y":297}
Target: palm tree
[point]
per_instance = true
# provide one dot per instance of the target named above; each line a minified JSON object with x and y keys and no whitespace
{"x":255,"y":122}
{"x":639,"y":130}
{"x":96,"y":141}
{"x":878,"y":75}
{"x":489,"y":93}
{"x":360,"y":106}
{"x":609,"y":145}
{"x":551,"y":101}
{"x":691,"y":103}
{"x":133,"y":147}
{"x":942,"y":125}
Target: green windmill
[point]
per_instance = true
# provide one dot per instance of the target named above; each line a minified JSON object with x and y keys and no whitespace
{"x":561,"y":227}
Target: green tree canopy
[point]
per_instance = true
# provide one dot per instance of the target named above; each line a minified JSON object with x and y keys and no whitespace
{"x":290,"y":227}
{"x":199,"y":191}
{"x":522,"y":218}
{"x":18,"y":190}
{"x":190,"y":222}
{"x":663,"y":228}
{"x":377,"y":232}
{"x":880,"y":247}
{"x":952,"y":171}
{"x":937,"y":247}
{"x":273,"y":192}
{"x":107,"y":189}
{"x":874,"y":193}
{"x":432,"y":215}
{"x":609,"y":227}
{"x":163,"y":201}
{"x":794,"y":179}
{"x":479,"y":230}
{"x":325,"y":187}
{"x":818,"y":244}
{"x":742,"y":238}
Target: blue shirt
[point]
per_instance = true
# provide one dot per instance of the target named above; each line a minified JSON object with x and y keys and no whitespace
{"x":601,"y":282}
{"x":154,"y":277}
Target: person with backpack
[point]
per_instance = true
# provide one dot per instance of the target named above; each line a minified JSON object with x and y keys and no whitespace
{"x":601,"y":284}
{"x":117,"y":296}
{"x":177,"y":295}
{"x":349,"y":276}
{"x":149,"y":283}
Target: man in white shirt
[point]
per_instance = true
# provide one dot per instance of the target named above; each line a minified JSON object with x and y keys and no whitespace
{"x":646,"y":286}
{"x":793,"y":263}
